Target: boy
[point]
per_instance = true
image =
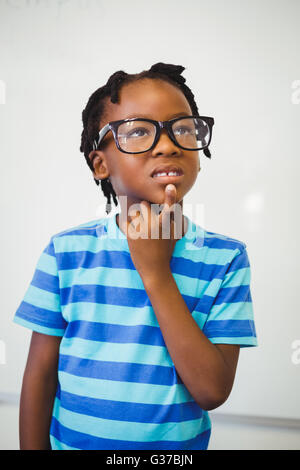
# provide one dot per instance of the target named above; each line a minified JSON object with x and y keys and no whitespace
{"x":135,"y":339}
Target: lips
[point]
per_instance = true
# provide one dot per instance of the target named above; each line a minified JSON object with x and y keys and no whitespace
{"x":166,"y":169}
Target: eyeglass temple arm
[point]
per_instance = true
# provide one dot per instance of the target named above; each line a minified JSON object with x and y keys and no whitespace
{"x":207,"y":152}
{"x":102,"y":133}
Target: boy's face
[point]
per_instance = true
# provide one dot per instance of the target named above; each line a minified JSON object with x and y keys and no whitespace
{"x":130,"y":174}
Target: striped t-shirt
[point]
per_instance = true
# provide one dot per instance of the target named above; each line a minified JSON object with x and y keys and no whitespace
{"x":117,"y":384}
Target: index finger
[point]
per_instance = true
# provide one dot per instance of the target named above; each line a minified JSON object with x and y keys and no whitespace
{"x":170,"y":199}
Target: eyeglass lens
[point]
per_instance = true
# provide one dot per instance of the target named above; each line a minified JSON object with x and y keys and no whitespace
{"x":138,"y":136}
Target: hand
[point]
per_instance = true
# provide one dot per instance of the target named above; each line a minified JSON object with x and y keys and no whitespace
{"x":151,"y":256}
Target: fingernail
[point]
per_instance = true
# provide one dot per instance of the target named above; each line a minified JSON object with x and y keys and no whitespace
{"x":169,"y":188}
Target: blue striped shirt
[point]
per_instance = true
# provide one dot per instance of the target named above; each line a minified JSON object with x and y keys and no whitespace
{"x":117,"y":384}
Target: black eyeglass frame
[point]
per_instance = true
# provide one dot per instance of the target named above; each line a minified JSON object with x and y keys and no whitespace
{"x":114,"y":125}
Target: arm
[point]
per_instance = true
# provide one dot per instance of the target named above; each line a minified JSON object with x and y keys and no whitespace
{"x":207,"y":370}
{"x":38,"y":392}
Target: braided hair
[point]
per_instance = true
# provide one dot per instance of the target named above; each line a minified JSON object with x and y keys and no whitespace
{"x":95,"y":110}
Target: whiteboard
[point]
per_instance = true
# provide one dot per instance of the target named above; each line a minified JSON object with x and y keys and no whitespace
{"x":242,"y":64}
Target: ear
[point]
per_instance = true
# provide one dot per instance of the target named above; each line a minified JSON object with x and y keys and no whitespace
{"x":98,"y":161}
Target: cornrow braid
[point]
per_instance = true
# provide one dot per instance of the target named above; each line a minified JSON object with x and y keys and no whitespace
{"x":95,"y":110}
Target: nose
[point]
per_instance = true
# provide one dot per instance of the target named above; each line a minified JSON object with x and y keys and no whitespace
{"x":165,"y":146}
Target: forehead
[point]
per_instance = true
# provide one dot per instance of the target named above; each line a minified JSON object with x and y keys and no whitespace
{"x":151,"y":98}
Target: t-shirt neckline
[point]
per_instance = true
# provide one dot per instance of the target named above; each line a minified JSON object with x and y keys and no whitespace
{"x":116,"y":233}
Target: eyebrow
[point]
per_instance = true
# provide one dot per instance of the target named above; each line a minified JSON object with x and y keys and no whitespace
{"x":137,"y":115}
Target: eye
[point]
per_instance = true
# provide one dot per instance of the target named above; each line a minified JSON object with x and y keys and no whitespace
{"x":138,"y":132}
{"x":180,"y":130}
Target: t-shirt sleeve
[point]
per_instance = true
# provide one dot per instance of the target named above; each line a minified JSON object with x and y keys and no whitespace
{"x":40,"y":309}
{"x":231,"y":319}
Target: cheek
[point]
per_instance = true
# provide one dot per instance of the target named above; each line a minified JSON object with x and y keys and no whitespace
{"x":129,"y":178}
{"x":192,"y":175}
{"x":193,"y":165}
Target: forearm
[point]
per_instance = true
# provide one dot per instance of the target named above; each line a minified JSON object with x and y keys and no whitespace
{"x":36,"y":404}
{"x":198,"y":362}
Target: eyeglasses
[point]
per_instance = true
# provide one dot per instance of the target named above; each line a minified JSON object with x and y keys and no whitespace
{"x":138,"y":135}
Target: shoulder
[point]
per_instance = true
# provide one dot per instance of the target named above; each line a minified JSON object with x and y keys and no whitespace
{"x":213,"y":251}
{"x":218,"y":240}
{"x":72,"y":236}
{"x":214,"y":240}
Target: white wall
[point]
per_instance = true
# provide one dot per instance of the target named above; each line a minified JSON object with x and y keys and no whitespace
{"x":242,"y":63}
